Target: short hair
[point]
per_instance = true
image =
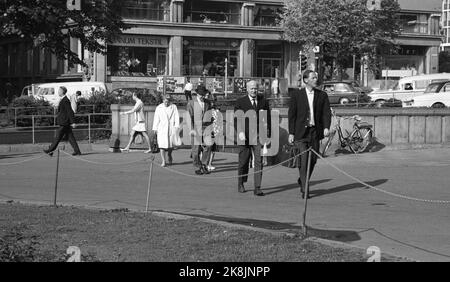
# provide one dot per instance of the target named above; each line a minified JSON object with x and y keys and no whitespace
{"x":64,"y":89}
{"x":167,"y":97}
{"x":78,"y":93}
{"x":138,"y":94}
{"x":252,"y":81}
{"x":306,"y":74}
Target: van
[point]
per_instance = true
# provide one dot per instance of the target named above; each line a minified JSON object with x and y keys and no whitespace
{"x":408,"y":87}
{"x":49,"y":91}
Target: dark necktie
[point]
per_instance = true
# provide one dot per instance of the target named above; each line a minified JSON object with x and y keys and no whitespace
{"x":254,"y":103}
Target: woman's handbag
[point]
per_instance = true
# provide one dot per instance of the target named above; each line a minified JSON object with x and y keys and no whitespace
{"x":292,"y":155}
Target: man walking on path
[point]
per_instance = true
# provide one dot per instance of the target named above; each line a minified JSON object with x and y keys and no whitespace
{"x":66,"y":121}
{"x":250,"y":137}
{"x":309,"y":118}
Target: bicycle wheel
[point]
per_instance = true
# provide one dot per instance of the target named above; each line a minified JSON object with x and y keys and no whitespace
{"x":360,"y":139}
{"x":328,"y":143}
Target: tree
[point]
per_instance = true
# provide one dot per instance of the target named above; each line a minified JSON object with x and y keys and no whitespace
{"x":342,"y":27}
{"x":49,"y":24}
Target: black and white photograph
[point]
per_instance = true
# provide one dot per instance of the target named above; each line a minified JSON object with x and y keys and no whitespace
{"x":225,"y":139}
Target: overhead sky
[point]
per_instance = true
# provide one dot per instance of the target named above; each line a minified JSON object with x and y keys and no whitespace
{"x":424,"y":5}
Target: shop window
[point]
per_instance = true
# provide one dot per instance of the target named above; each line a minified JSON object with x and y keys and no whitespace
{"x":267,"y":15}
{"x":157,"y":10}
{"x":268,"y":59}
{"x":136,"y":61}
{"x":217,"y":13}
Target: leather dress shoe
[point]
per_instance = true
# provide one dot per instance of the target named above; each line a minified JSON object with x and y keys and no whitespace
{"x":241,"y":188}
{"x":258,"y":192}
{"x":48,"y":152}
{"x":76,"y":154}
{"x":202,"y":170}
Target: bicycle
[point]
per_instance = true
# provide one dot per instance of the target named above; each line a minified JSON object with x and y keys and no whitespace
{"x":358,"y":140}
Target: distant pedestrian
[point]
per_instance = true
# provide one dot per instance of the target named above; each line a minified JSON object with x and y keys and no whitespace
{"x":188,"y":90}
{"x":216,"y":130}
{"x":74,"y":101}
{"x":66,"y":121}
{"x":139,"y":128}
{"x":166,"y":123}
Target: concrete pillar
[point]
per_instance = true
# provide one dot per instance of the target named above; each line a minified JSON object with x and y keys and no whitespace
{"x":99,"y":68}
{"x":176,"y":11}
{"x":246,"y":55}
{"x":175,"y":55}
{"x":248,"y":14}
{"x":432,"y":60}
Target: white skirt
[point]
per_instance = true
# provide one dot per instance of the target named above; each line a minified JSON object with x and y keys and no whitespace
{"x":140,"y":127}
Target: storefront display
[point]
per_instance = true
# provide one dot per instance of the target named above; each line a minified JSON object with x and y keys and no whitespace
{"x":206,"y":56}
{"x":137,"y":55}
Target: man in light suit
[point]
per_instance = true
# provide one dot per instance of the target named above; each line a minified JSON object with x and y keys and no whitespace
{"x":250,"y":137}
{"x":197,"y":109}
{"x":309,"y":118}
{"x":66,"y":121}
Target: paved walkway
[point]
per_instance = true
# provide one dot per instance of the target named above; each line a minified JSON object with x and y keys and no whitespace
{"x":341,"y":208}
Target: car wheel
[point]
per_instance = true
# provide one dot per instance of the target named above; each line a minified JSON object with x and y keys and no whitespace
{"x":379,"y":103}
{"x":438,"y":105}
{"x":344,"y":101}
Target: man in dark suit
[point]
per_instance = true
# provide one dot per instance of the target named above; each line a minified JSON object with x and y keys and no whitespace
{"x":309,"y":121}
{"x":248,"y":139}
{"x":197,"y":109}
{"x":66,"y":121}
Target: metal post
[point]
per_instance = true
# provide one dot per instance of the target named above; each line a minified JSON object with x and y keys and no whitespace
{"x":32,"y":127}
{"x":308,"y":168}
{"x":54,"y":116}
{"x":149,"y":183}
{"x":56,"y":178}
{"x":89,"y":127}
{"x":15,"y":117}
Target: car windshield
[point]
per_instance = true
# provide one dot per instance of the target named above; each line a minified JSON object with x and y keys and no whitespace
{"x":46,"y":91}
{"x":432,"y":88}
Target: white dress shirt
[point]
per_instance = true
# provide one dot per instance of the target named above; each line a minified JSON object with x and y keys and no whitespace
{"x":310,"y":95}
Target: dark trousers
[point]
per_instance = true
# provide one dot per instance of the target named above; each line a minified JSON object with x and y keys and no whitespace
{"x":310,"y":140}
{"x":206,"y":152}
{"x":188,"y":95}
{"x":245,"y":152}
{"x":60,"y":133}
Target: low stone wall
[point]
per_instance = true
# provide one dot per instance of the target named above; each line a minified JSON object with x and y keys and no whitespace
{"x":392,"y":126}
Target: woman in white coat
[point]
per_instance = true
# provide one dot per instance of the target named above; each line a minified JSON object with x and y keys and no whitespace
{"x":166,"y":123}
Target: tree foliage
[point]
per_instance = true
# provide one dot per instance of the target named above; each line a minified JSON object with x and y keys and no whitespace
{"x":342,"y":27}
{"x":49,"y":24}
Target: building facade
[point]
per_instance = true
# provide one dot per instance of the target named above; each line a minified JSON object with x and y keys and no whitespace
{"x":445,"y":23}
{"x":197,"y":37}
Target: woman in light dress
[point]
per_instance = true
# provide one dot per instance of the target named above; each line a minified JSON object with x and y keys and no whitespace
{"x":166,"y":123}
{"x":139,"y":127}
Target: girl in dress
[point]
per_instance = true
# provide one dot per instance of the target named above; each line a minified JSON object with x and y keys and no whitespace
{"x":139,"y":127}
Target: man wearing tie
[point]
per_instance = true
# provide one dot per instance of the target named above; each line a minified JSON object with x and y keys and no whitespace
{"x":66,"y":121}
{"x":309,"y":119}
{"x":248,"y":139}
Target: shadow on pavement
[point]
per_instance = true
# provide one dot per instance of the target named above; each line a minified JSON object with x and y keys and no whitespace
{"x":321,"y":192}
{"x":337,"y":235}
{"x":291,"y":186}
{"x":18,"y":155}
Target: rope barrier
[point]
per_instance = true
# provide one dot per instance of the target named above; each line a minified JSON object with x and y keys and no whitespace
{"x":231,"y":177}
{"x":378,"y":189}
{"x":99,"y":163}
{"x":21,"y":162}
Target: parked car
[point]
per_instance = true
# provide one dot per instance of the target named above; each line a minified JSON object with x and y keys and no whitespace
{"x":437,"y":95}
{"x":356,"y":85}
{"x":340,"y":92}
{"x":408,"y":87}
{"x":49,"y":91}
{"x":150,"y":97}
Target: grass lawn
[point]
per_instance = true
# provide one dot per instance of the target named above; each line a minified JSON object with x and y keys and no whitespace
{"x":43,"y":233}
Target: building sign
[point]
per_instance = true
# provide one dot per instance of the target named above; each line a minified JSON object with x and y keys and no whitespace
{"x":141,"y":41}
{"x":211,"y":44}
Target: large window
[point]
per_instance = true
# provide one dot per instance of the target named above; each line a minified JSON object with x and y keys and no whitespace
{"x":414,"y":23}
{"x":267,"y":15}
{"x":157,"y":10}
{"x":136,"y":61}
{"x":216,"y":12}
{"x":268,"y":59}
